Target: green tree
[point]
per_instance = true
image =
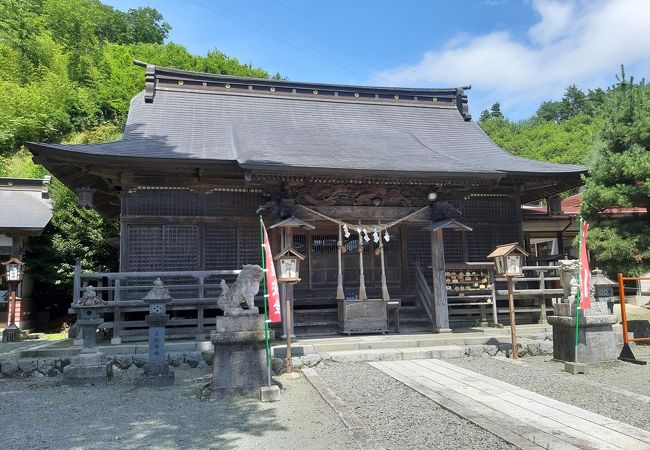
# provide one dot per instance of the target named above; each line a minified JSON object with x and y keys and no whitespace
{"x":495,"y":111}
{"x":550,"y":111}
{"x":573,"y":102}
{"x":619,"y":176}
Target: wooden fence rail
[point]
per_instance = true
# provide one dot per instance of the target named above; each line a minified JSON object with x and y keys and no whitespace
{"x":194,"y":293}
{"x":531,"y":292}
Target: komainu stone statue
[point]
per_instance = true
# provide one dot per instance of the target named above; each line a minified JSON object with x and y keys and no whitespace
{"x":569,"y":269}
{"x":243,"y":290}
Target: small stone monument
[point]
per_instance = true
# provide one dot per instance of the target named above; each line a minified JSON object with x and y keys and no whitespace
{"x":597,"y":340}
{"x":156,"y":369}
{"x":91,"y":366}
{"x":239,"y":350}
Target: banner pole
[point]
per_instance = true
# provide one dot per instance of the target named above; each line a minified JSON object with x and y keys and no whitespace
{"x":578,"y":294}
{"x":266,"y":313}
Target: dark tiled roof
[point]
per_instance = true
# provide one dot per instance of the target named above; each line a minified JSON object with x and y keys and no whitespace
{"x":286,"y":130}
{"x":24,"y":204}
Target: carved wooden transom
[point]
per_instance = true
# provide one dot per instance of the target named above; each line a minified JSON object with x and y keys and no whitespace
{"x":361,"y":195}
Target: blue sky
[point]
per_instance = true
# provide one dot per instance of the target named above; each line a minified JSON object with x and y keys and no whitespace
{"x":517,"y":52}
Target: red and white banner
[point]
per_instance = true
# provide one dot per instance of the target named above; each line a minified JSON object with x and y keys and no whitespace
{"x":273,"y":291}
{"x":585,"y":273}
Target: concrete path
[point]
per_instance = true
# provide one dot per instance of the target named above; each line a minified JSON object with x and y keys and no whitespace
{"x":523,"y":418}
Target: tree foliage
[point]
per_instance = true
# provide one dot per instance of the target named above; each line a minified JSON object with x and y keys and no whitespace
{"x":609,"y":130}
{"x":66,"y":66}
{"x":67,"y":75}
{"x":619,"y":175}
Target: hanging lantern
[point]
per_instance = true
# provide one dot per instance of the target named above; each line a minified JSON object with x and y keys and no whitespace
{"x":85,"y":196}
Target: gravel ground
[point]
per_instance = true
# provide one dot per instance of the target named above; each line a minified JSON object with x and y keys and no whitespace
{"x":397,"y":417}
{"x":40,"y":413}
{"x":608,"y":389}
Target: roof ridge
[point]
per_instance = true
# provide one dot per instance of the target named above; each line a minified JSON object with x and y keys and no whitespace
{"x":156,"y":76}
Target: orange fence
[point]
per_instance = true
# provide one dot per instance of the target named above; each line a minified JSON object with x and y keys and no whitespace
{"x":621,"y":296}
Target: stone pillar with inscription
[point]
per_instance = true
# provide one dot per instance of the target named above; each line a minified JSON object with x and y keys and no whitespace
{"x":156,"y":369}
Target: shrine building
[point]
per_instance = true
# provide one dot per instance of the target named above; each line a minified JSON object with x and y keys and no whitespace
{"x":203,"y":155}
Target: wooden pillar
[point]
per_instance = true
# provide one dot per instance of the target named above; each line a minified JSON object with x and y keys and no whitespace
{"x":289,"y":329}
{"x":439,"y":300}
{"x":513,"y":326}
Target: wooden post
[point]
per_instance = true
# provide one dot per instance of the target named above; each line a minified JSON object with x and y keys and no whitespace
{"x":288,"y":300}
{"x":14,"y":287}
{"x":495,"y":310}
{"x":289,"y":291}
{"x":542,"y":302}
{"x":439,"y":300}
{"x":513,"y":329}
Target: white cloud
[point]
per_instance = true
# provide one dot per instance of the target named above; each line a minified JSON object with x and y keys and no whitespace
{"x":580,"y":41}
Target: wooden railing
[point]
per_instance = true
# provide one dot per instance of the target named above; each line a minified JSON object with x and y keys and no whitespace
{"x":424,"y":294}
{"x":545,"y":281}
{"x":193,"y":293}
{"x":541,"y":285}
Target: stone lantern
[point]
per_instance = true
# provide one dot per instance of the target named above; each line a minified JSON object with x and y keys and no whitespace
{"x":603,"y":286}
{"x":91,"y":366}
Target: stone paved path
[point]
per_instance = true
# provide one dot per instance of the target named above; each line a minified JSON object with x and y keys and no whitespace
{"x":525,"y":419}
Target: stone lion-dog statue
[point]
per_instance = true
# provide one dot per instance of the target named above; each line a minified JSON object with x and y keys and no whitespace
{"x":243,"y":290}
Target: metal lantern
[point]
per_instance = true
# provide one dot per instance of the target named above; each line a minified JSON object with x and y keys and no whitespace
{"x":14,"y":269}
{"x":509,"y":260}
{"x":85,"y":196}
{"x":288,"y":265}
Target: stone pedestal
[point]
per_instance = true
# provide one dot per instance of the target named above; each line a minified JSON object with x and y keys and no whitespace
{"x":87,"y":368}
{"x":239,"y":356}
{"x":597,"y":341}
{"x":90,"y":367}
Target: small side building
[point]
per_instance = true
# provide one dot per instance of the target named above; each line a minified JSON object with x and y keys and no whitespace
{"x":25,"y":210}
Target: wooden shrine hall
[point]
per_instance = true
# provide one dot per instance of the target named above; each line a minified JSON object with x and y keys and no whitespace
{"x":378,"y":173}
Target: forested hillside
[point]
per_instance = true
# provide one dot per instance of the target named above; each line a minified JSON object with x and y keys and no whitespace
{"x":67,"y":75}
{"x":560,"y":131}
{"x":609,"y":131}
{"x":66,"y":66}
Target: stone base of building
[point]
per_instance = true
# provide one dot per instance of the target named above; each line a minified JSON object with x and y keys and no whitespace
{"x":239,"y":366}
{"x":87,"y":368}
{"x":597,"y":340}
